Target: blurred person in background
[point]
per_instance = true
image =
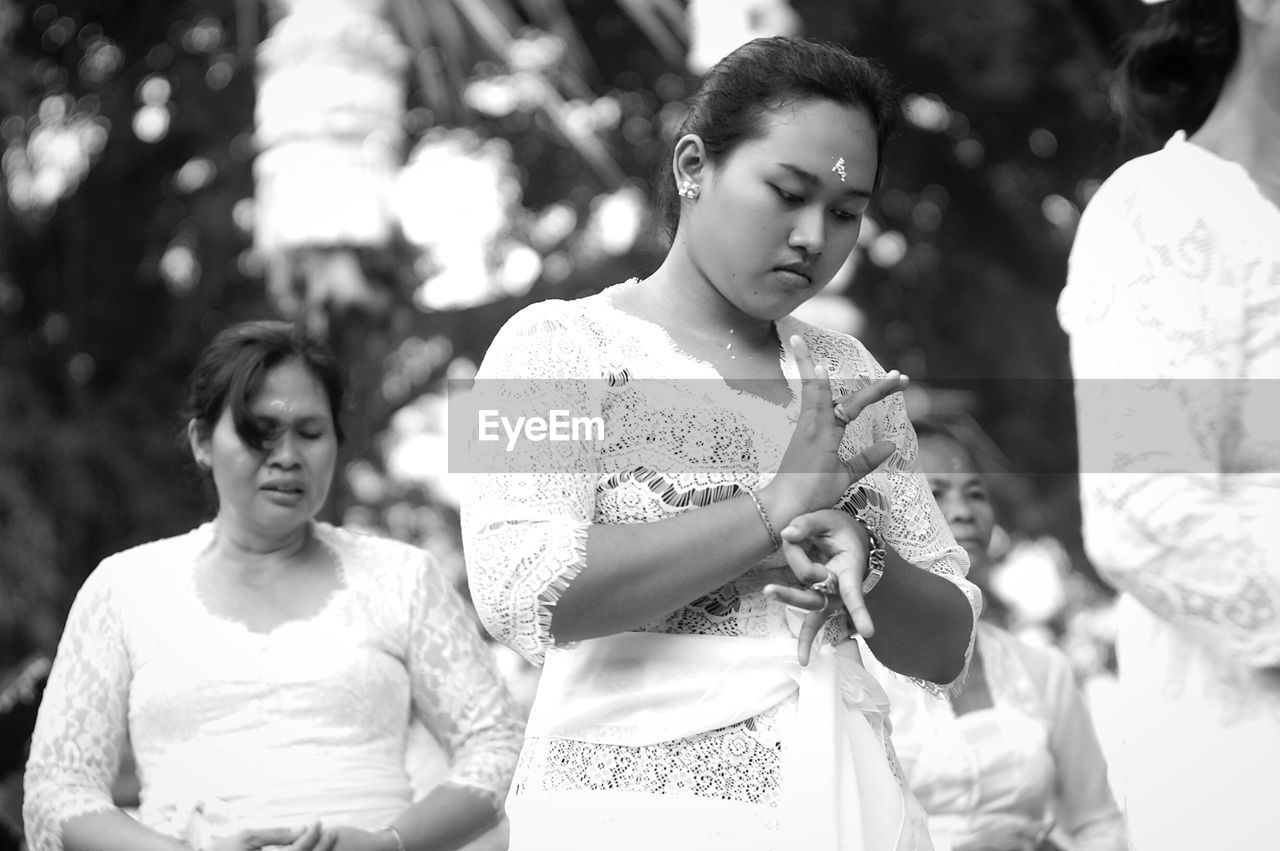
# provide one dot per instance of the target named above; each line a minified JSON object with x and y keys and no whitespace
{"x":658,"y":574}
{"x":1172,"y":304}
{"x":1011,"y":762}
{"x":266,"y":667}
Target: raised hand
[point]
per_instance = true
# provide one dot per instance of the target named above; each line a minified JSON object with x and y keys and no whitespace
{"x":820,"y":546}
{"x":811,"y":475}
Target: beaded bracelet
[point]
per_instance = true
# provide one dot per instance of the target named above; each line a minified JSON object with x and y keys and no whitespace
{"x":764,"y":518}
{"x":400,"y":846}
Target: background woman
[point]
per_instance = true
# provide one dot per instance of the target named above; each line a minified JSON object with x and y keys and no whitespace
{"x":1011,"y":762}
{"x":1173,"y":307}
{"x":671,"y":711}
{"x":266,"y":667}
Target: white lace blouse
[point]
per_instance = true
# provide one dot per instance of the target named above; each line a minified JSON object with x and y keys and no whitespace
{"x":306,"y":722}
{"x":1173,"y":308}
{"x":676,"y":437}
{"x":997,"y":778}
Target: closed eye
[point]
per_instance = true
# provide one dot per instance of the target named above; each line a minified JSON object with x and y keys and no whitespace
{"x":788,"y":197}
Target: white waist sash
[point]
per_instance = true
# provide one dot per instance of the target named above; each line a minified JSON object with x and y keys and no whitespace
{"x":839,"y":792}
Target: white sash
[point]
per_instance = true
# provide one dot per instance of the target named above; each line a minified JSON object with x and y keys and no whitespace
{"x":839,"y":792}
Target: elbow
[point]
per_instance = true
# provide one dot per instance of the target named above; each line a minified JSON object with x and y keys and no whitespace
{"x":951,"y":651}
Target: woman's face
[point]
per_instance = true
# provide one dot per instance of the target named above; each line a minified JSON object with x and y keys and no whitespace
{"x":961,"y":494}
{"x":779,"y":216}
{"x":280,"y":488}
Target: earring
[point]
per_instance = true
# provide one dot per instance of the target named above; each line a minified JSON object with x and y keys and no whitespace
{"x":690,"y":191}
{"x":203,"y":461}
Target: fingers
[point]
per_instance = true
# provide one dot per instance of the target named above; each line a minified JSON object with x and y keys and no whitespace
{"x":849,"y":571}
{"x":818,"y":607}
{"x":809,"y":629}
{"x":866,"y":396}
{"x":860,"y":465}
{"x":265,"y":837}
{"x":310,"y":838}
{"x":798,"y":560}
{"x":815,"y":383}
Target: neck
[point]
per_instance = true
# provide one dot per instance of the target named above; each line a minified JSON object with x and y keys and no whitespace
{"x":1244,"y":126}
{"x":259,"y":552}
{"x":680,"y":293}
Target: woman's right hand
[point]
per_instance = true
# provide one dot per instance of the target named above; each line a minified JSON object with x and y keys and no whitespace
{"x":811,"y":475}
{"x":312,"y":837}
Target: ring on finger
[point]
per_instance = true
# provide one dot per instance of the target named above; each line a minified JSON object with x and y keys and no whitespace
{"x":830,"y":585}
{"x":841,"y":416}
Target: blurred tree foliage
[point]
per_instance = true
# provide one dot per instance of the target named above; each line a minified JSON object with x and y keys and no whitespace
{"x":1010,"y":132}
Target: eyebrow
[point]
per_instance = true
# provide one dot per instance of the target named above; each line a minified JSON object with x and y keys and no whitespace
{"x":812,"y":180}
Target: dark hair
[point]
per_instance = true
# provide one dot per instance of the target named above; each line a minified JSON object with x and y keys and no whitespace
{"x":232,"y":367}
{"x":763,"y":75}
{"x":1174,"y":66}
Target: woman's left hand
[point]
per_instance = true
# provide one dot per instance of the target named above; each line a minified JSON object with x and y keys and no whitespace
{"x":820,"y":545}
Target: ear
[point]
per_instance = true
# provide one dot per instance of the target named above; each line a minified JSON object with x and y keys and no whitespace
{"x":199,"y":443}
{"x":689,"y":161}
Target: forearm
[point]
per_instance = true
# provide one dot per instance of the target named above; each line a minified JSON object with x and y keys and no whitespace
{"x":448,"y":817}
{"x":641,"y":571}
{"x":114,"y":830}
{"x":923,"y":622}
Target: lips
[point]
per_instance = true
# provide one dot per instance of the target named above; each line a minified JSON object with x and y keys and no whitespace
{"x":288,"y":488}
{"x":802,"y":270}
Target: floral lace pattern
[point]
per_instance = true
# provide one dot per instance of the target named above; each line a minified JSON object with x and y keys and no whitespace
{"x":1173,"y":307}
{"x":1174,"y":316}
{"x":215,"y":710}
{"x":669,"y":446}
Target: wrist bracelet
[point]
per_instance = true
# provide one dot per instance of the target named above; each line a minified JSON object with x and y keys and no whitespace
{"x":875,"y":560}
{"x":395,"y":834}
{"x":764,"y":518}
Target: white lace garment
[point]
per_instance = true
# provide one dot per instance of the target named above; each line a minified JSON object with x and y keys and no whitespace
{"x":1173,"y":307}
{"x":996,"y":778}
{"x":669,"y":446}
{"x":306,"y":722}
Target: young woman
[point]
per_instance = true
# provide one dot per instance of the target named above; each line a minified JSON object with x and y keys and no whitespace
{"x":265,"y":667}
{"x":644,"y":568}
{"x":1011,"y":762}
{"x":1173,"y":307}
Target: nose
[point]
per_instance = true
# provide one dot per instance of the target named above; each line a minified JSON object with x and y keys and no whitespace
{"x":808,"y":231}
{"x":956,"y":509}
{"x":284,"y":452}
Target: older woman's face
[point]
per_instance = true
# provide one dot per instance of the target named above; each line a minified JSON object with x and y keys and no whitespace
{"x":283,"y":486}
{"x":961,"y":494}
{"x":779,"y":216}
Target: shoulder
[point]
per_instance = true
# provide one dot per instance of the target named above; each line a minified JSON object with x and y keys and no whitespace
{"x":565,"y":337}
{"x":1046,"y":666}
{"x":141,"y":572}
{"x":370,"y":553}
{"x":546,"y":316}
{"x":1163,"y":195}
{"x":142,"y":560}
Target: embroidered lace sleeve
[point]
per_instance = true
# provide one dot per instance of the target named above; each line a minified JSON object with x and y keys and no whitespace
{"x":457,"y":690}
{"x":81,"y":728}
{"x":910,"y":521}
{"x":525,"y":513}
{"x":1179,"y":487}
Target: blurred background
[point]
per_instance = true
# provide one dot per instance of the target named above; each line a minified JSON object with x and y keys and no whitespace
{"x":403,"y":175}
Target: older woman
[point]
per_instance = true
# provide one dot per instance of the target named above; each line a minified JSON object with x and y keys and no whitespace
{"x":266,"y":667}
